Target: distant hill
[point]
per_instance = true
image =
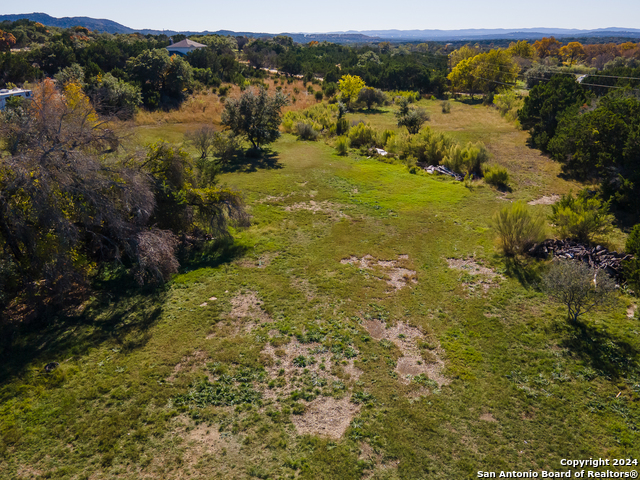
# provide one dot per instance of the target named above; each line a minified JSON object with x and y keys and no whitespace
{"x":99,"y":24}
{"x":350,"y":36}
{"x":498,"y":33}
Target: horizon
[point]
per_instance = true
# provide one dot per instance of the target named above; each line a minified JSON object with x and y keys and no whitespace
{"x":281,"y":16}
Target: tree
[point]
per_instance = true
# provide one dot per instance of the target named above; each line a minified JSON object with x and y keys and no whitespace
{"x":113,"y":96}
{"x":256,"y":117}
{"x":371,"y":96}
{"x":572,"y":52}
{"x":71,"y":201}
{"x":547,"y":47}
{"x":159,"y":74}
{"x":202,"y":140}
{"x":487,"y":72}
{"x":463,"y":53}
{"x":413,"y":120}
{"x":522,"y":49}
{"x":582,"y":217}
{"x":579,"y":287}
{"x":350,"y":86}
{"x":7,"y":40}
{"x":544,"y":104}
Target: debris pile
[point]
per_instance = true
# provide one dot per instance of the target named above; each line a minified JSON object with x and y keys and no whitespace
{"x":441,"y":169}
{"x":596,"y":257}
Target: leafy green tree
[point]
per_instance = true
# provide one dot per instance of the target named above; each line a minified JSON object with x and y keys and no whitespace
{"x":582,"y":217}
{"x":522,"y":49}
{"x":350,"y":86}
{"x":371,"y":96}
{"x":158,"y":73}
{"x":545,"y":103}
{"x":256,"y":117}
{"x":112,"y":96}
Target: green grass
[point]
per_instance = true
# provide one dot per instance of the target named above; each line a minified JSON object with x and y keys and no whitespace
{"x":526,"y":389}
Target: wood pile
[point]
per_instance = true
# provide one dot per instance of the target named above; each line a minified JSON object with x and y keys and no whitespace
{"x":596,"y":257}
{"x":441,"y":169}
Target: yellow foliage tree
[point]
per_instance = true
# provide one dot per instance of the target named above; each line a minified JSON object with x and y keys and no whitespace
{"x":350,"y":86}
{"x":572,"y":52}
{"x":547,"y":47}
{"x":521,"y":48}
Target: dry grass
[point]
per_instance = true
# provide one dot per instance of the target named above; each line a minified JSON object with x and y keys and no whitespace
{"x":206,"y":108}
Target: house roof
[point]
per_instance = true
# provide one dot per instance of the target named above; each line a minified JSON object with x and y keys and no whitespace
{"x":186,"y":43}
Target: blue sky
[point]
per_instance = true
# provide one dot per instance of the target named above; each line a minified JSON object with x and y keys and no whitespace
{"x":276,"y":16}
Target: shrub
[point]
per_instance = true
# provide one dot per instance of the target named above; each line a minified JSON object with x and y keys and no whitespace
{"x":518,"y":229}
{"x":224,"y":90}
{"x":342,"y":145}
{"x":318,"y":96}
{"x":508,"y":104}
{"x":305,"y":131}
{"x":497,"y":176}
{"x":413,"y":119}
{"x":466,"y":160}
{"x":329,"y":89}
{"x":632,"y":267}
{"x":578,"y":286}
{"x":446,"y":106}
{"x":371,"y":96}
{"x":582,"y":217}
{"x":362,"y":135}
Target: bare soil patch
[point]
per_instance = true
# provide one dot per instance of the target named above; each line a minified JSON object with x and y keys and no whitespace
{"x":189,"y":364}
{"x":376,"y":460}
{"x":326,"y":416}
{"x":480,"y":277}
{"x":329,"y":208}
{"x":487,"y":417}
{"x":248,"y":305}
{"x":413,"y":362}
{"x":262,"y":261}
{"x":546,"y":200}
{"x":397,"y":276}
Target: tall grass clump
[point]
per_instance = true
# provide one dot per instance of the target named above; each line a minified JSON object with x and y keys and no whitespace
{"x":582,"y":217}
{"x":342,"y":145}
{"x":468,"y":159}
{"x":496,"y":176}
{"x":518,"y":228}
{"x":306,"y":131}
{"x":362,"y":134}
{"x":446,"y":106}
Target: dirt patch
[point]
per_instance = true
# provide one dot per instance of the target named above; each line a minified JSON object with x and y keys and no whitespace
{"x":275,"y":198}
{"x":315,"y":357}
{"x":248,"y":305}
{"x":396,"y":276}
{"x":189,"y":364}
{"x":631,"y":311}
{"x":479,"y":276}
{"x":375,"y":460}
{"x":487,"y":417}
{"x":262,"y":261}
{"x":326,"y":207}
{"x":303,"y":285}
{"x":550,"y":200}
{"x":413,"y":362}
{"x":326,"y":416}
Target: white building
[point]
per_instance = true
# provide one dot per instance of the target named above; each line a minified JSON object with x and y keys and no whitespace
{"x":184,"y":46}
{"x":16,"y":92}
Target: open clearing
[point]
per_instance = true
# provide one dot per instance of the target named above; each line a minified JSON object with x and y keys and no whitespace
{"x":364,"y":326}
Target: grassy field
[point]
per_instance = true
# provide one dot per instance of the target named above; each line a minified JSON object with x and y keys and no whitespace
{"x":364,"y":326}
